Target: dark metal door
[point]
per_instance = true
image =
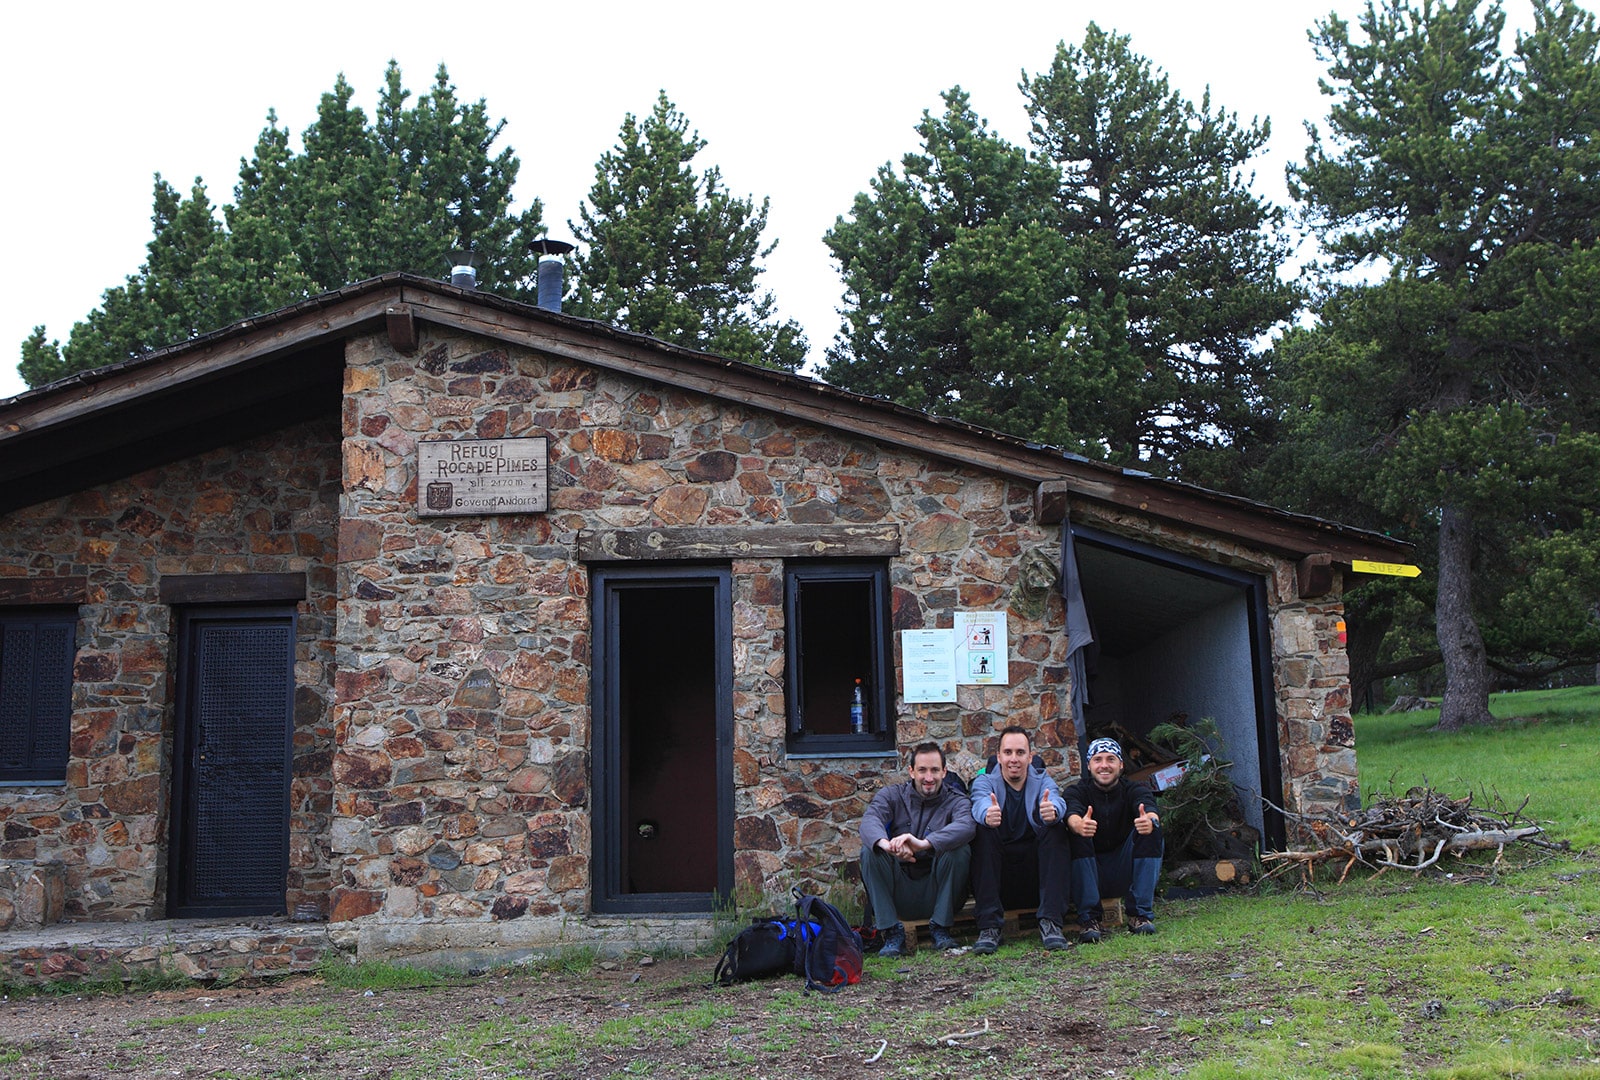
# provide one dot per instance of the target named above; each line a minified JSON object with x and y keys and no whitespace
{"x":232,"y":753}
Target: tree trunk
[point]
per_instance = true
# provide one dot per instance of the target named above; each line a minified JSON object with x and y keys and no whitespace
{"x":1368,"y":615}
{"x":1466,"y":667}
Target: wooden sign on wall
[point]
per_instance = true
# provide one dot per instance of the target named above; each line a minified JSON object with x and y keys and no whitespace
{"x":461,"y":477}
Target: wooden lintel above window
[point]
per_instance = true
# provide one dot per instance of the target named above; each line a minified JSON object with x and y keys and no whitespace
{"x":40,"y":591}
{"x":402,"y":325}
{"x":232,"y":588}
{"x":739,"y":542}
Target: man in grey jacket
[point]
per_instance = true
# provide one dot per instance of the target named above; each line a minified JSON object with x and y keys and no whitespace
{"x":915,"y":854}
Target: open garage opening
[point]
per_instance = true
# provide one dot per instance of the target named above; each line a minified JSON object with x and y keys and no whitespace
{"x":1177,"y":638}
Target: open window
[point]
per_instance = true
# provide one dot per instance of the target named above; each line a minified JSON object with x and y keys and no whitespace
{"x":36,"y":654}
{"x":838,"y":620}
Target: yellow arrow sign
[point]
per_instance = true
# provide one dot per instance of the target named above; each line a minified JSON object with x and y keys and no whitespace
{"x":1393,"y":569}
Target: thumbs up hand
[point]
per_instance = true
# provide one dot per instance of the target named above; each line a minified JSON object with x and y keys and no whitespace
{"x":1085,"y":824}
{"x":1144,"y":824}
{"x":991,"y":816}
{"x":1047,"y":809}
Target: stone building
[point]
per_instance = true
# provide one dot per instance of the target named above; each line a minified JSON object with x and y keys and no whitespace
{"x":283,"y":631}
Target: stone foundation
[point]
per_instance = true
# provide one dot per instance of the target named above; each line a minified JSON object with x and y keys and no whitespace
{"x":198,"y":949}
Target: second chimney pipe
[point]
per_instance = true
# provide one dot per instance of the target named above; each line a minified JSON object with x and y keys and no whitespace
{"x":551,"y":278}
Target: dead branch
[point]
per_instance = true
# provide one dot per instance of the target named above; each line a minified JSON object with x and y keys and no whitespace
{"x":1421,"y":864}
{"x":956,"y":1036}
{"x":1408,"y":832}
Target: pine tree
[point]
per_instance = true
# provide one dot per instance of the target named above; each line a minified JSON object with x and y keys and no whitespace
{"x":1177,"y":260}
{"x":1467,"y":375}
{"x":955,"y":285}
{"x":1105,"y":293}
{"x":361,"y":199}
{"x":669,"y":252}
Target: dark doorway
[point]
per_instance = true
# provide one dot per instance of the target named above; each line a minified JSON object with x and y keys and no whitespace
{"x":663,"y":739}
{"x":231,"y":762}
{"x":1175,"y":636}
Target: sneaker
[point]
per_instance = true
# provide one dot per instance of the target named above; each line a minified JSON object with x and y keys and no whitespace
{"x":894,"y":942}
{"x":942,"y":940}
{"x":988,"y":941}
{"x":1089,"y":931}
{"x":1138,"y":924}
{"x":1050,"y":935}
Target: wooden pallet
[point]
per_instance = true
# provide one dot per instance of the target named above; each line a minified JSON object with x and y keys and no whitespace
{"x":1015,"y":920}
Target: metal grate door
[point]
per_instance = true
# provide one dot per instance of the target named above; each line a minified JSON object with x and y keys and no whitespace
{"x":236,"y":752}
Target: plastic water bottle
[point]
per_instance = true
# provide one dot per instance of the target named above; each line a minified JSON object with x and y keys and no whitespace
{"x":858,"y":710}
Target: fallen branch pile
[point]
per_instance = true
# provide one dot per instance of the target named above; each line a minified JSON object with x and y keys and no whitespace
{"x":1408,"y":832}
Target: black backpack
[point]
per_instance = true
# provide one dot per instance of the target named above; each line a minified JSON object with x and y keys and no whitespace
{"x":829,"y":955}
{"x":766,"y":947}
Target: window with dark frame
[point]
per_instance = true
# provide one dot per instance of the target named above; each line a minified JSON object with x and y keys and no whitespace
{"x":36,"y":654}
{"x":837,"y":616}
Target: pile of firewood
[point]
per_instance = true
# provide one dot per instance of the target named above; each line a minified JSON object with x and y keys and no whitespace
{"x":1406,"y":832}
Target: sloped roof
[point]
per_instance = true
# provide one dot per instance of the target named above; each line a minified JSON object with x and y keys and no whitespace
{"x":266,"y":372}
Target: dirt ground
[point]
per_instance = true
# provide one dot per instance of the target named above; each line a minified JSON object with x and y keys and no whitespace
{"x":1047,"y":1015}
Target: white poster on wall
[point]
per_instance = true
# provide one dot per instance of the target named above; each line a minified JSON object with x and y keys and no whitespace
{"x":981,"y":648}
{"x":927,"y":664}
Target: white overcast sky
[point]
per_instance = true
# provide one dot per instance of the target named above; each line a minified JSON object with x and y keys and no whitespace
{"x":800,"y":103}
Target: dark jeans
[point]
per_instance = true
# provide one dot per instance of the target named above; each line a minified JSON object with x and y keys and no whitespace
{"x":1032,"y":871}
{"x":896,"y":894}
{"x":1129,"y":872}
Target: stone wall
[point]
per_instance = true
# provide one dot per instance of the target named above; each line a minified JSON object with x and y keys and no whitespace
{"x":462,"y":710}
{"x":266,"y":506}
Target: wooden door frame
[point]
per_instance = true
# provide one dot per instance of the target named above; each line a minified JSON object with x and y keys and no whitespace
{"x":608,"y":894}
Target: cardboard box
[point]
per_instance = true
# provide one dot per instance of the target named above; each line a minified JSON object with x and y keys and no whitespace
{"x":1164,"y":777}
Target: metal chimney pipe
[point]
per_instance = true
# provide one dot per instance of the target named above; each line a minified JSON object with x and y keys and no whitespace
{"x":551,"y":284}
{"x":551,"y":271}
{"x":464,"y":269}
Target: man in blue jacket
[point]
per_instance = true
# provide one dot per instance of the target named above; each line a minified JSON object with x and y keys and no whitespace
{"x":1116,"y":842}
{"x":914,"y":852}
{"x":1020,"y":856}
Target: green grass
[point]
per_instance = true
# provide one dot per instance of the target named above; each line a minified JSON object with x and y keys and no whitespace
{"x":337,"y":969}
{"x":287,"y":1015}
{"x":1490,"y":971}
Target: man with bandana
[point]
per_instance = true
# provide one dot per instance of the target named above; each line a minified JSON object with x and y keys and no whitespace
{"x":1116,"y":842}
{"x":915,"y":854}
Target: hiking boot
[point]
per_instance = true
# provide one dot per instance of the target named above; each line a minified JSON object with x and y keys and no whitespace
{"x":1050,"y":935}
{"x":1138,"y":924}
{"x":1088,"y":931}
{"x":988,"y":941}
{"x":941,"y":937}
{"x":894,"y":942}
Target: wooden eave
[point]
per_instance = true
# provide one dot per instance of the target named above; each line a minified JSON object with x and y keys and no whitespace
{"x":267,"y":372}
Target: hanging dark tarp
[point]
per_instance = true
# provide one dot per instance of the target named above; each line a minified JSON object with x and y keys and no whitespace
{"x":1080,"y":633}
